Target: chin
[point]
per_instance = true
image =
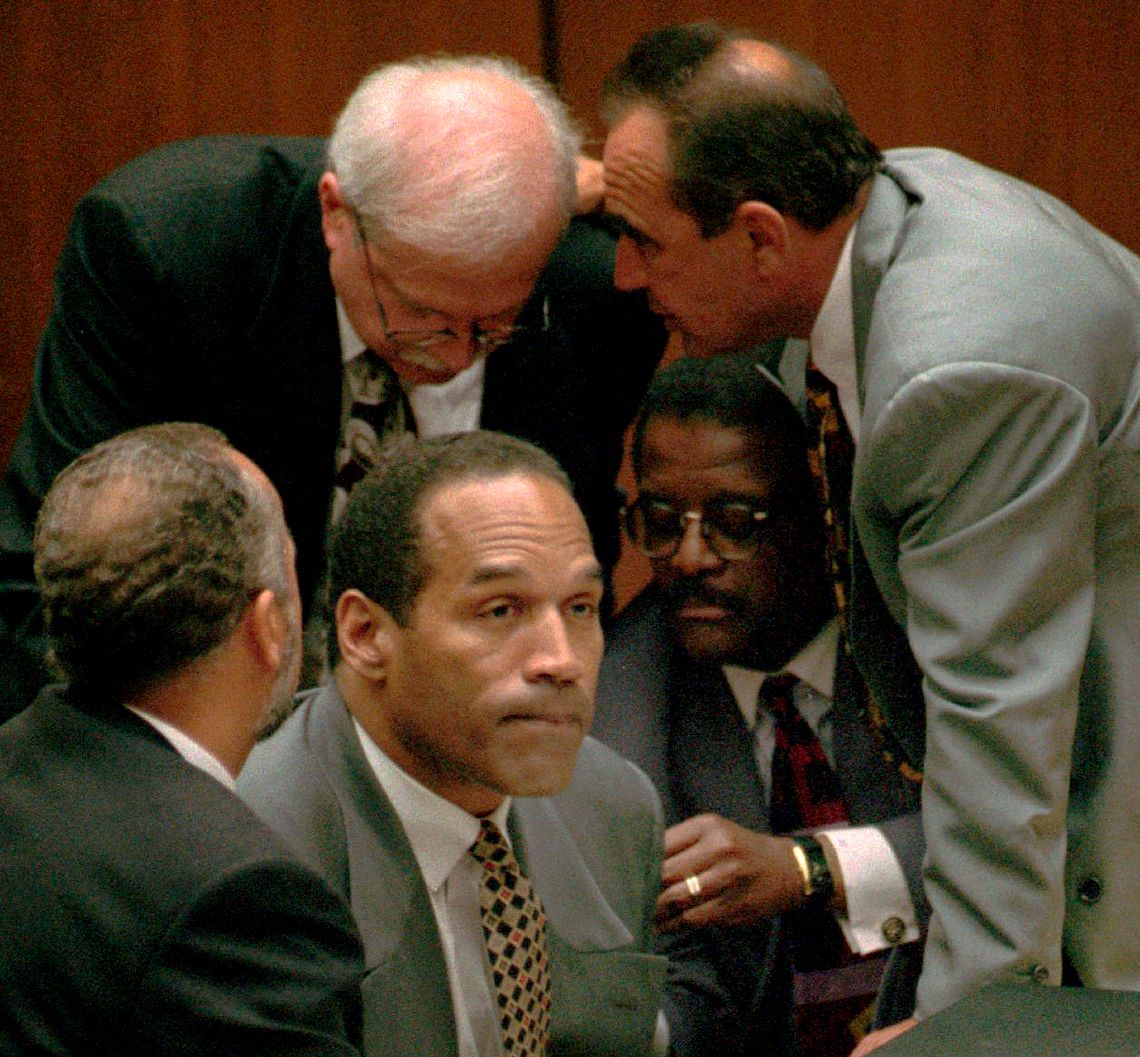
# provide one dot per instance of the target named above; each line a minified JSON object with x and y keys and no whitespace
{"x":710,"y":644}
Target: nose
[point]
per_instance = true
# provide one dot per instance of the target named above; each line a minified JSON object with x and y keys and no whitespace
{"x":554,"y":657}
{"x":630,"y":272}
{"x":694,"y":555}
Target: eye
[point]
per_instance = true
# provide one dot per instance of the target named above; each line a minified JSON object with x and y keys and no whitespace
{"x":499,"y":609}
{"x":584,"y":607}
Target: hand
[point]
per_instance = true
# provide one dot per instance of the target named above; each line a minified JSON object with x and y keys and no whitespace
{"x":591,"y":188}
{"x":743,"y":876}
{"x":876,"y":1038}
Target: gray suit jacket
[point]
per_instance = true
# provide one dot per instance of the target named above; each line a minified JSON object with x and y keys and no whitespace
{"x":680,"y":723}
{"x":592,"y":852}
{"x":996,"y":509}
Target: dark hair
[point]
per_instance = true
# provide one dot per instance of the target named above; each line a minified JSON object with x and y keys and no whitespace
{"x":742,"y":131}
{"x":148,"y":549}
{"x":375,"y":547}
{"x":731,"y":391}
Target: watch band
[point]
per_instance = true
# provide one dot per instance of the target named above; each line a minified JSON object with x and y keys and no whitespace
{"x":819,"y":885}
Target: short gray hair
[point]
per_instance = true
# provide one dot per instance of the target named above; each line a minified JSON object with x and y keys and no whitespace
{"x":148,"y":549}
{"x":462,"y":184}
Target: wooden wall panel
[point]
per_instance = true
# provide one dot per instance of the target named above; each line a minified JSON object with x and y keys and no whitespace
{"x":1043,"y":89}
{"x":88,"y":85}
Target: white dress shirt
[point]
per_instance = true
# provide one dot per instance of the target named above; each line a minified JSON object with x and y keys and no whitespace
{"x":874,"y":882}
{"x":449,"y":407}
{"x":441,"y":835}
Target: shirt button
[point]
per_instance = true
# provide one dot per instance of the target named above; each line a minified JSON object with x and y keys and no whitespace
{"x":1089,"y":890}
{"x":893,"y":930}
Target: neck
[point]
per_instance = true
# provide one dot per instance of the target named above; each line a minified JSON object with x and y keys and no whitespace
{"x":819,"y":256}
{"x":211,"y":704}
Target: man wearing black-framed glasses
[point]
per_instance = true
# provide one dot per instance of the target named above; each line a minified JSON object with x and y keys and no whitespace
{"x":727,"y":682}
{"x":306,"y":295}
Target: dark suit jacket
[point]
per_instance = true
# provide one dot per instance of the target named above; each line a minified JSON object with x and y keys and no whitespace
{"x":680,"y":723}
{"x":593,"y":853}
{"x":194,"y":285}
{"x":147,"y":912}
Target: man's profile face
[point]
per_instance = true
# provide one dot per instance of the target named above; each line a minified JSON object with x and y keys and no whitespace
{"x":702,"y":288}
{"x":731,"y":611}
{"x":404,"y":291}
{"x":490,"y":688}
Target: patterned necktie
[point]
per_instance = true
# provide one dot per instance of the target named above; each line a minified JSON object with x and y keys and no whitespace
{"x":805,"y":792}
{"x":379,"y":409}
{"x":831,"y":457}
{"x":514,"y":926}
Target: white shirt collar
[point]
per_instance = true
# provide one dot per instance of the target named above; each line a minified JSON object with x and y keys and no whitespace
{"x":813,"y":665}
{"x":188,"y":748}
{"x":833,"y":337}
{"x":440,"y":832}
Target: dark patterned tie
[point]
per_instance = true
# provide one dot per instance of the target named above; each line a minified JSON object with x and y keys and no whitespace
{"x":514,"y":926}
{"x":805,"y":791}
{"x":831,"y":457}
{"x":379,"y":409}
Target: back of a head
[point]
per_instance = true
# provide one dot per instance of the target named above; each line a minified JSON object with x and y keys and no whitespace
{"x":148,"y":549}
{"x":462,"y":158}
{"x":375,"y":546}
{"x":749,"y":120}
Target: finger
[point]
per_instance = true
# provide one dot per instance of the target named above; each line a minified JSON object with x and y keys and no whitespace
{"x":684,"y":834}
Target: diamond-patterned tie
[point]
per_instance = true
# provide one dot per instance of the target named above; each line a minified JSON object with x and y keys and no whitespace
{"x":831,"y":457}
{"x":514,"y":926}
{"x":805,"y":792}
{"x":378,"y":409}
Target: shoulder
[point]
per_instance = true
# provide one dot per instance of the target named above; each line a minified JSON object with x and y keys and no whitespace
{"x":288,"y":785}
{"x":611,"y":788}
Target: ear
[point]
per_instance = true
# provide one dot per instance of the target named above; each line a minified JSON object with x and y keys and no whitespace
{"x":336,"y":223}
{"x":767,"y":230}
{"x":267,"y":629}
{"x":365,"y":635}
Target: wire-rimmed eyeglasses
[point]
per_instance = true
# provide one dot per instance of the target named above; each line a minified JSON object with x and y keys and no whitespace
{"x":730,"y":527}
{"x":485,"y":339}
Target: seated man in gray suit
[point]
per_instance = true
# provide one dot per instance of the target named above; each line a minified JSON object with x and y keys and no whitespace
{"x":728,"y":518}
{"x":146,"y":911}
{"x":465,"y":596}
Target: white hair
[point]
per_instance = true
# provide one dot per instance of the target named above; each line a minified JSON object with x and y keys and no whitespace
{"x":431,"y":152}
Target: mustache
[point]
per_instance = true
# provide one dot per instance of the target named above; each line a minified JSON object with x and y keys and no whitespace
{"x":683,"y":592}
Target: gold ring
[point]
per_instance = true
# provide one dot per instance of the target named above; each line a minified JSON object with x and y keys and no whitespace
{"x":693,"y":884}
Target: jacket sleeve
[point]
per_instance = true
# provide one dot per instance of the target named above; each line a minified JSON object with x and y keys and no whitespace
{"x":983,"y":546}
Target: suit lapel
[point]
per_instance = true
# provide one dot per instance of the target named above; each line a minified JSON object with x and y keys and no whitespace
{"x":406,"y":995}
{"x":577,"y":911}
{"x":711,"y":748}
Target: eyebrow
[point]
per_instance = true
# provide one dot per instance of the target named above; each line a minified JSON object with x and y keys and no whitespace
{"x":487,"y":574}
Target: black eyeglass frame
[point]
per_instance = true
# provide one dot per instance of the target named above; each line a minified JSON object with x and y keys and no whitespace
{"x":485,"y":341}
{"x":727,"y":546}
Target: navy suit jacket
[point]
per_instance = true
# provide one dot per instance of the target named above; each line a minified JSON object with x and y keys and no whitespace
{"x":147,"y":912}
{"x":680,"y":723}
{"x":194,"y":286}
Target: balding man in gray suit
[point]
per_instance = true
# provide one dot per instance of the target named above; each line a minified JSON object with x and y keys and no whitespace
{"x":982,"y":343}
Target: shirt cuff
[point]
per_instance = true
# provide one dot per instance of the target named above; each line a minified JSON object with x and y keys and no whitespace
{"x":880,"y":913}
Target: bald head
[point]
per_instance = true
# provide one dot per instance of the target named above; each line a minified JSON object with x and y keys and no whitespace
{"x":461,"y":159}
{"x":746,"y":120}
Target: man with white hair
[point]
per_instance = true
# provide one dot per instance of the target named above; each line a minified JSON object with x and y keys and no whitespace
{"x":240,"y":281}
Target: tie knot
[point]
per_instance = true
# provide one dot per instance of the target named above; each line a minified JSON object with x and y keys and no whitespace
{"x":491,"y":847}
{"x":777,"y":687}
